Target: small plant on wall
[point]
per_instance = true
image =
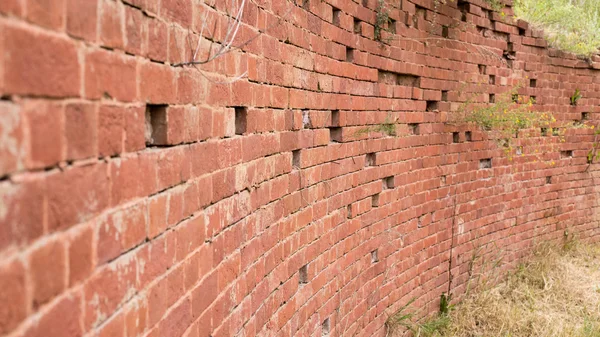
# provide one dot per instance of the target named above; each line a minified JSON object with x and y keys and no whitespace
{"x":510,"y":118}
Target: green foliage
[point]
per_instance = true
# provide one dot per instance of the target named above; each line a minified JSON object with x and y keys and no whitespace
{"x":445,"y":305}
{"x":575,"y":97}
{"x":388,"y":127}
{"x":571,"y":25}
{"x":382,"y":17}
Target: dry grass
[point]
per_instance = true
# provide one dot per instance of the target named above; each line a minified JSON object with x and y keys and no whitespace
{"x":556,"y":293}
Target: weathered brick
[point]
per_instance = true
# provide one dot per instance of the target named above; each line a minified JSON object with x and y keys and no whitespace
{"x":81,"y":130}
{"x":82,"y":19}
{"x":48,"y":271}
{"x":13,"y":295}
{"x":47,"y":13}
{"x":40,"y":64}
{"x":110,"y":75}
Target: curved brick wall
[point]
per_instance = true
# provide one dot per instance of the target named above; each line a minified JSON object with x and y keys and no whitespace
{"x":141,"y":199}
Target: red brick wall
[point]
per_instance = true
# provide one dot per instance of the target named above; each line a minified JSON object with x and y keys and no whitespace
{"x":253,"y":209}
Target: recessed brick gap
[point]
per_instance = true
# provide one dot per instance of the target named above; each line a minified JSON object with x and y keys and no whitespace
{"x":444,"y":31}
{"x":522,"y":31}
{"x":349,"y":211}
{"x":370,"y":159}
{"x":388,"y":182}
{"x":533,"y":99}
{"x":335,"y":117}
{"x":357,"y":26}
{"x":533,"y":82}
{"x":549,"y":180}
{"x":325,"y":328}
{"x":374,"y":257}
{"x":156,"y":124}
{"x":296,"y":158}
{"x":303,"y":274}
{"x":492,"y":79}
{"x":375,"y":200}
{"x":468,"y":136}
{"x":555,"y":131}
{"x":432,"y":106}
{"x":485,"y":163}
{"x":349,"y":54}
{"x":544,"y":131}
{"x":392,"y":26}
{"x":445,"y":95}
{"x":443,"y":180}
{"x":306,"y":4}
{"x":585,"y":116}
{"x":241,"y":120}
{"x":566,"y":154}
{"x":335,"y":134}
{"x":492,"y":98}
{"x":482,"y":69}
{"x":455,"y":137}
{"x":336,"y":16}
{"x":413,"y":128}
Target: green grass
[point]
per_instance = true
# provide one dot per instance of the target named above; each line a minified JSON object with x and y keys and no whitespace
{"x":570,"y":25}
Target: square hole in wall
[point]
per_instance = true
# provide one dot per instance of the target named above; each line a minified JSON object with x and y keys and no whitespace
{"x":241,"y":120}
{"x":303,"y":274}
{"x":349,"y":54}
{"x":349,"y":210}
{"x":374,"y":257}
{"x":336,"y":16}
{"x":485,"y":163}
{"x":445,"y":95}
{"x":325,"y":328}
{"x":335,"y":134}
{"x":492,"y":79}
{"x":306,"y":4}
{"x":375,"y":200}
{"x":549,"y":180}
{"x":156,"y":124}
{"x":388,"y":182}
{"x":515,"y":98}
{"x":482,"y":69}
{"x":335,"y":117}
{"x":566,"y":154}
{"x":544,"y":132}
{"x":533,"y":99}
{"x":370,"y":159}
{"x":492,"y":98}
{"x":522,"y":31}
{"x":468,"y":136}
{"x":555,"y":131}
{"x":296,"y":158}
{"x":519,"y":150}
{"x":585,"y":116}
{"x":413,"y":128}
{"x":443,"y":180}
{"x":392,"y":26}
{"x":532,"y":82}
{"x":357,"y":26}
{"x":444,"y":31}
{"x":432,"y":106}
{"x":455,"y":137}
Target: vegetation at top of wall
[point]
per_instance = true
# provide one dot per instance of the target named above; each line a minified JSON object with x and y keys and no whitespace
{"x":570,"y":25}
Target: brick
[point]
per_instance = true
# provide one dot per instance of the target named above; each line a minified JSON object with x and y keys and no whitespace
{"x":47,"y":13}
{"x":135,"y":129}
{"x":157,"y":215}
{"x":121,"y":231}
{"x":23,"y":220}
{"x":12,"y":148}
{"x":112,"y":15}
{"x":179,"y":11}
{"x":110,"y":75}
{"x":177,"y":320}
{"x":14,"y":7}
{"x":12,"y":295}
{"x":45,"y":123}
{"x":62,"y":319}
{"x":48,"y":271}
{"x":157,"y":84}
{"x":102,"y":295}
{"x":81,"y":259}
{"x":110,"y":130}
{"x":82,"y":19}
{"x":47,"y":66}
{"x":155,"y":47}
{"x":76,"y":194}
{"x":136,"y":30}
{"x":81,"y":130}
